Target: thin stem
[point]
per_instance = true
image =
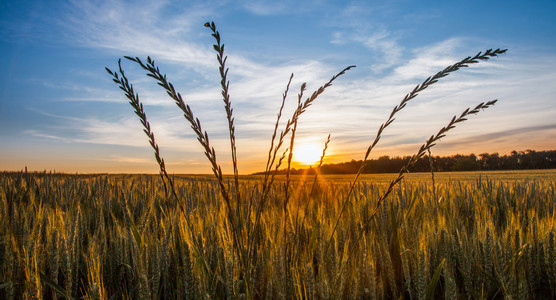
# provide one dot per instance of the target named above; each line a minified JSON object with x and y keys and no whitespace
{"x":134,"y":101}
{"x":287,"y":185}
{"x":202,"y":137}
{"x":225,"y":84}
{"x":432,"y":176}
{"x":289,"y":124}
{"x":290,"y":156}
{"x":405,"y":169}
{"x":272,"y":154}
{"x":419,"y":88}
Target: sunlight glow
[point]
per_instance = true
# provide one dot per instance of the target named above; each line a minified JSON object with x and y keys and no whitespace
{"x":307,"y":153}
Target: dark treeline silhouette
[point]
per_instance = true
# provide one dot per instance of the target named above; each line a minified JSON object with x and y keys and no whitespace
{"x":517,"y":160}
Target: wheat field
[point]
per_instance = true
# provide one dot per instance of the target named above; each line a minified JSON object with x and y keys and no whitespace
{"x":393,"y":236}
{"x":484,"y":236}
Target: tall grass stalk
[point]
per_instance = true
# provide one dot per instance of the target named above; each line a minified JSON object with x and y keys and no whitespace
{"x":405,"y":169}
{"x":225,"y":84}
{"x":301,"y":108}
{"x":272,"y":152}
{"x":134,"y":101}
{"x":419,"y":88}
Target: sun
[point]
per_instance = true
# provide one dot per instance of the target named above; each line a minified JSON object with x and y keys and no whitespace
{"x":307,"y":154}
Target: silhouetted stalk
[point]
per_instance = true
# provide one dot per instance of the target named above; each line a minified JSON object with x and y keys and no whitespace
{"x":225,"y":84}
{"x":290,"y":156}
{"x":268,"y":183}
{"x":429,"y":81}
{"x":134,"y":101}
{"x":405,"y":169}
{"x":272,"y":154}
{"x":289,"y":124}
{"x":288,"y":181}
{"x":202,"y":137}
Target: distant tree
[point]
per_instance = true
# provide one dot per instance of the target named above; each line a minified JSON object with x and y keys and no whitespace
{"x":465,"y":163}
{"x":517,"y":160}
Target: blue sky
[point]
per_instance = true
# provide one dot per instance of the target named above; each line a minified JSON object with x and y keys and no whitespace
{"x":59,"y":109}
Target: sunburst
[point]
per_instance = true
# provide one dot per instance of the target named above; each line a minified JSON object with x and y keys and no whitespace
{"x":307,"y":154}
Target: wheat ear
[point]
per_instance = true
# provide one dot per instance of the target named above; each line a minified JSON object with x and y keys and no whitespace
{"x":419,"y":88}
{"x":290,"y":156}
{"x":202,"y":137}
{"x":271,"y":153}
{"x":405,"y":169}
{"x":225,"y":84}
{"x":301,"y":108}
{"x":134,"y":101}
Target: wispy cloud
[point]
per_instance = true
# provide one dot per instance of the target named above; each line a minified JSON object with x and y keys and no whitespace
{"x":504,"y":134}
{"x":269,"y":7}
{"x":145,"y":28}
{"x":381,"y":42}
{"x":168,"y":37}
{"x":128,"y":159}
{"x":428,"y":60}
{"x":357,"y":24}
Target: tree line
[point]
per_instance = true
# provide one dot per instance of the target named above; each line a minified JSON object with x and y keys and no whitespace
{"x":516,"y":160}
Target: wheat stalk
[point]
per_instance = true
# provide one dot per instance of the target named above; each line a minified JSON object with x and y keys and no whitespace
{"x":135,"y":102}
{"x":225,"y":84}
{"x":301,"y":108}
{"x":419,"y":88}
{"x":405,"y":169}
{"x":290,"y":150}
{"x":288,"y":180}
{"x":271,"y":153}
{"x":431,"y":142}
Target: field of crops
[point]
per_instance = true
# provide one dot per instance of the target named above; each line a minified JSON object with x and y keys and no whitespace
{"x":468,"y":236}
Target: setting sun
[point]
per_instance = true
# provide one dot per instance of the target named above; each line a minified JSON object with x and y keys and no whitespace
{"x":307,"y":153}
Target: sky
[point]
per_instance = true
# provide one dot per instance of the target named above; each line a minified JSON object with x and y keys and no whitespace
{"x":60,"y":110}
